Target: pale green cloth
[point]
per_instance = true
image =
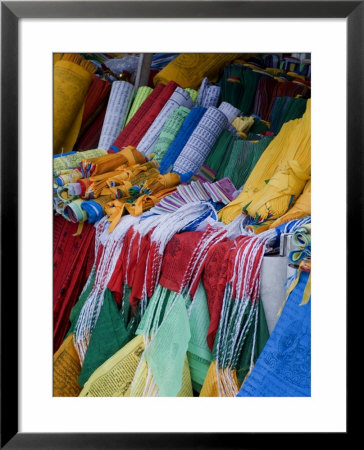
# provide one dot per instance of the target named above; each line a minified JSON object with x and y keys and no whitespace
{"x":169,"y":132}
{"x":199,"y":355}
{"x":166,"y":353}
{"x":142,"y":93}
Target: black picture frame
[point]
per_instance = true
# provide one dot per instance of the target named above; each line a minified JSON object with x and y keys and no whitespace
{"x":11,"y":12}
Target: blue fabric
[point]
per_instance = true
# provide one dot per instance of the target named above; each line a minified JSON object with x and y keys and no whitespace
{"x":58,"y":155}
{"x":93,"y":210}
{"x":187,"y":128}
{"x":283,"y":369}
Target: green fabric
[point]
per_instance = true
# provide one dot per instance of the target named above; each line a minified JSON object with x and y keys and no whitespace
{"x":142,"y":93}
{"x":285,"y":109}
{"x":109,"y":336}
{"x":262,"y":337}
{"x":169,"y":132}
{"x":199,"y":354}
{"x":243,"y":157}
{"x":75,"y":312}
{"x":220,"y":151}
{"x":166,"y":353}
{"x":226,"y":347}
{"x":258,"y":127}
{"x":193,"y":94}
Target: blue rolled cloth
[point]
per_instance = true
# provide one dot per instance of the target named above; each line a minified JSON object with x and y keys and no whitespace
{"x":186,"y":130}
{"x":93,"y":210}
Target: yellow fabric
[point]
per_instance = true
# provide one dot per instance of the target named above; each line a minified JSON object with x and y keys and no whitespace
{"x":72,"y":77}
{"x":189,"y":69}
{"x":210,"y":388}
{"x":115,"y":161}
{"x":281,"y":172}
{"x":66,"y":370}
{"x":114,"y":376}
{"x":300,"y":209}
{"x":243,"y":124}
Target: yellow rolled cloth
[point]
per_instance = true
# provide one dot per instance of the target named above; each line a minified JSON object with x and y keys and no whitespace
{"x":189,"y":69}
{"x":127,"y":157}
{"x":243,"y":124}
{"x":72,"y":77}
{"x":300,"y":209}
{"x":166,"y":181}
{"x":279,"y":175}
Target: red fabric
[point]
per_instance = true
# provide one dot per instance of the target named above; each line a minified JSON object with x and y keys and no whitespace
{"x":266,"y":90}
{"x":177,"y":255}
{"x":90,"y":138}
{"x":144,"y":117}
{"x":117,"y":279}
{"x":73,"y":257}
{"x":214,"y":279}
{"x":97,"y":98}
{"x":289,"y":89}
{"x":138,"y":261}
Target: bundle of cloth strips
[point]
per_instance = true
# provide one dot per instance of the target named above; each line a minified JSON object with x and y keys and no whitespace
{"x":167,"y":199}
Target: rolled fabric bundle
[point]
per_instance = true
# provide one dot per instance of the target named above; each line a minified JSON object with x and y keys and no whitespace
{"x":74,"y":211}
{"x":117,"y":109}
{"x":144,"y":117}
{"x":189,"y":69}
{"x":73,"y":160}
{"x":169,"y":132}
{"x":95,"y":209}
{"x":181,"y":139}
{"x":70,"y":177}
{"x":179,"y":98}
{"x":243,"y":124}
{"x":285,"y":109}
{"x":142,"y":94}
{"x":71,"y":80}
{"x":264,"y":94}
{"x":285,"y":165}
{"x":220,"y":152}
{"x":250,"y":79}
{"x":106,"y":163}
{"x":300,"y":209}
{"x":243,"y":157}
{"x":96,"y":100}
{"x":201,"y":141}
{"x":209,"y":94}
{"x":229,"y":110}
{"x":193,"y":94}
{"x":90,"y":138}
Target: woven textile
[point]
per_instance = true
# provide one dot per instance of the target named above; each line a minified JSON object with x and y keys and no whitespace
{"x":283,"y":369}
{"x":179,"y":98}
{"x":96,"y":100}
{"x":117,"y":109}
{"x":169,"y":132}
{"x":189,"y":69}
{"x":142,"y":93}
{"x":72,"y":262}
{"x":286,"y":164}
{"x":208,"y":94}
{"x":229,"y":110}
{"x":73,"y":160}
{"x":144,"y":117}
{"x":186,"y":130}
{"x":72,"y":78}
{"x":201,"y":142}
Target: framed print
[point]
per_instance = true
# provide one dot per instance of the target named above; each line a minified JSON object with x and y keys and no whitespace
{"x":187,"y":165}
